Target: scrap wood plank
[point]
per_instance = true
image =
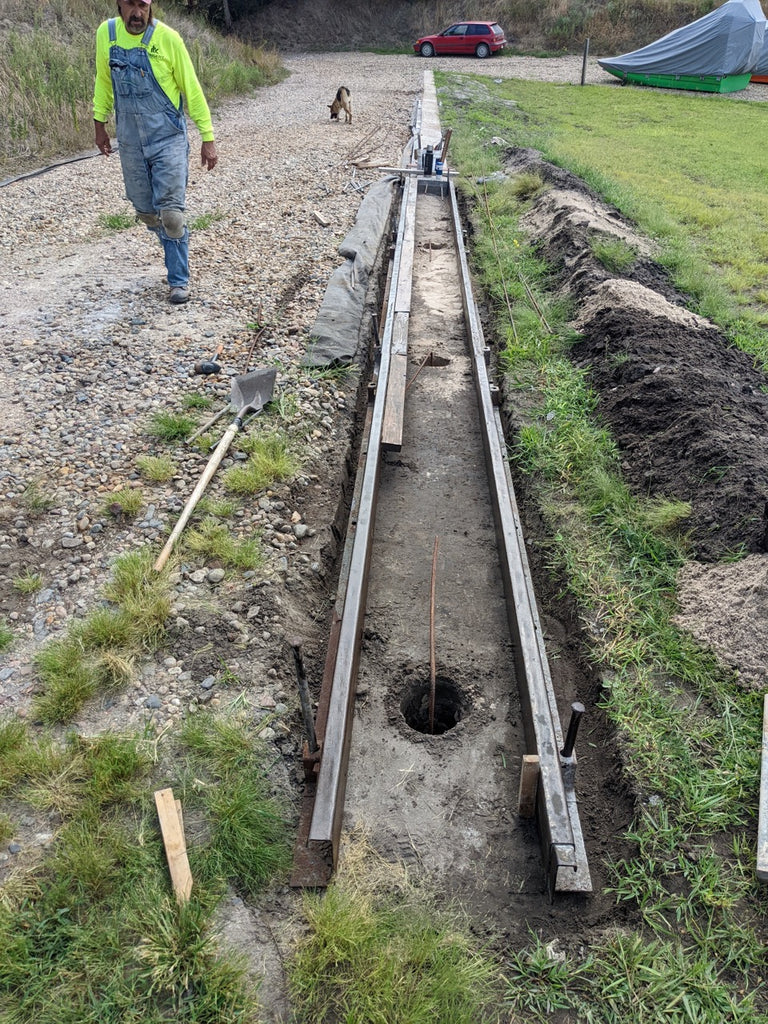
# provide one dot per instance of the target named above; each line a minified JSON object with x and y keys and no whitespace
{"x":394,"y":406}
{"x":172,"y":828}
{"x":762,"y":817}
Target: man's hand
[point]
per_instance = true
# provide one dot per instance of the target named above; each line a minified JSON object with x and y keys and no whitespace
{"x":102,"y":138}
{"x":208,"y":155}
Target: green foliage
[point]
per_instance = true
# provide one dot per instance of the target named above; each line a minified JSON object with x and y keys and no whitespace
{"x":168,"y":426}
{"x":204,"y":221}
{"x":269,"y":462}
{"x":28,"y":583}
{"x":196,"y":401}
{"x":126,"y":502}
{"x":35,"y":499}
{"x":248,"y":841}
{"x":625,"y":978}
{"x":156,"y":468}
{"x":377,"y":951}
{"x":117,"y":221}
{"x":98,"y":651}
{"x":6,"y":635}
{"x":219,"y":508}
{"x":92,"y":932}
{"x":213,"y":540}
{"x":615,"y":254}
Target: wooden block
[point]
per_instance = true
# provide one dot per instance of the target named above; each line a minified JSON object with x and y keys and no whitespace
{"x":394,"y":406}
{"x":529,"y":783}
{"x":405,"y":272}
{"x":762,"y":818}
{"x":175,"y":845}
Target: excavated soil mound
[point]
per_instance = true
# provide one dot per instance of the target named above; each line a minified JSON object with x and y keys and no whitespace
{"x":686,"y":410}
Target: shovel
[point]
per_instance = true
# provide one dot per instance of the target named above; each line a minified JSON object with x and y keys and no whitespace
{"x":250,"y":393}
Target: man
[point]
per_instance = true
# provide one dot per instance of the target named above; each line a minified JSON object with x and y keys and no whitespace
{"x":143,"y":70}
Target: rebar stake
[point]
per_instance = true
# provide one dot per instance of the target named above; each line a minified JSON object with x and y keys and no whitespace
{"x":432,"y":663}
{"x":577,"y":710}
{"x":306,"y":704}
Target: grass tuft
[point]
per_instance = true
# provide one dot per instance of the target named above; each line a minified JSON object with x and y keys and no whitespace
{"x":615,"y":254}
{"x":169,"y":426}
{"x":377,"y":951}
{"x":99,"y":651}
{"x":126,"y":502}
{"x":28,"y":583}
{"x":36,"y":499}
{"x":155,"y":468}
{"x":117,"y":221}
{"x":213,"y":540}
{"x":269,"y":462}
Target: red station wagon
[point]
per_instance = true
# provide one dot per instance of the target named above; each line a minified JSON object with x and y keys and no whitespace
{"x":465,"y":37}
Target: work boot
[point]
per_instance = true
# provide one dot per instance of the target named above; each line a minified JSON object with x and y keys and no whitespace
{"x":178,"y":295}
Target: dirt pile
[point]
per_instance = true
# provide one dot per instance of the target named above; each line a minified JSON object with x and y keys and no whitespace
{"x":687,"y":411}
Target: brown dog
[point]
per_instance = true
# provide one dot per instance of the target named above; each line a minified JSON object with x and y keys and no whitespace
{"x":343,"y":102}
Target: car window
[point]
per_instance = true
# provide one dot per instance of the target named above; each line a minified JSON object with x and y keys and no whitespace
{"x":479,"y":30}
{"x":458,"y":30}
{"x":497,"y":30}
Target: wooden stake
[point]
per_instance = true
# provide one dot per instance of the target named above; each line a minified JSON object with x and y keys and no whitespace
{"x":762,"y":816}
{"x":529,"y":783}
{"x":172,"y":828}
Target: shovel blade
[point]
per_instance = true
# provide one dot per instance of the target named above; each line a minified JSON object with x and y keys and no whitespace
{"x":251,"y":391}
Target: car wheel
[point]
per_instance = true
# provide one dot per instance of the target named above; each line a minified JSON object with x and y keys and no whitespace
{"x":482,"y":50}
{"x":427,"y":50}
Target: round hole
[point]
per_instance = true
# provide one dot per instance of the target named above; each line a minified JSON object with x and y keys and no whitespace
{"x":448,"y":711}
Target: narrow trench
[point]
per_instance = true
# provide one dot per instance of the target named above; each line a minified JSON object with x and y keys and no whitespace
{"x":444,"y":797}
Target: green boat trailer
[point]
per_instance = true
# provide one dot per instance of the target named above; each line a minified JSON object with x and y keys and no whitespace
{"x":700,"y":83}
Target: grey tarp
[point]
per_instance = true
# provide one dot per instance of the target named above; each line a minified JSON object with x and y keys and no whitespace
{"x":727,"y":41}
{"x":761,"y":64}
{"x":335,"y":335}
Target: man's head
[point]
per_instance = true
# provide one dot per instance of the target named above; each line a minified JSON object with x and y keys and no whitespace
{"x":135,"y":14}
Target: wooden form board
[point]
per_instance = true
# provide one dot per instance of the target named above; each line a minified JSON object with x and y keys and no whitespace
{"x":172,"y":828}
{"x":394,"y":408}
{"x":405,"y":272}
{"x":762,"y":818}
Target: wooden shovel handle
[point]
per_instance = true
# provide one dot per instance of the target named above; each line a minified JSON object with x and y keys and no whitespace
{"x":213,"y":464}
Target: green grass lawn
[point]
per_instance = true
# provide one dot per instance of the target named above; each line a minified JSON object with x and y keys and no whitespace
{"x":689,"y":168}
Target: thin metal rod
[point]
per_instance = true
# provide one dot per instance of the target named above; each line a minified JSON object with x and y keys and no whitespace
{"x":424,"y":362}
{"x":306,"y":705}
{"x":432,"y":670}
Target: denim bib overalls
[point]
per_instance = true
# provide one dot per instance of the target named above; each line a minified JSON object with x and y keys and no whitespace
{"x":153,"y":145}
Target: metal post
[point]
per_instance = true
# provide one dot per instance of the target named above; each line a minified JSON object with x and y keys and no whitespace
{"x":306,"y":705}
{"x":577,"y":710}
{"x":584,"y":61}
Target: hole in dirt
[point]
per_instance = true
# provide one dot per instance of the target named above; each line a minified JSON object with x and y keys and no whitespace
{"x":433,"y":360}
{"x":449,"y":707}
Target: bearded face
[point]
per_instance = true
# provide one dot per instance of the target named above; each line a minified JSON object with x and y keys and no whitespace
{"x":136,"y":15}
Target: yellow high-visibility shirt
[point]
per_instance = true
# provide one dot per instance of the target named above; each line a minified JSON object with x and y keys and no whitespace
{"x":171,"y":66}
